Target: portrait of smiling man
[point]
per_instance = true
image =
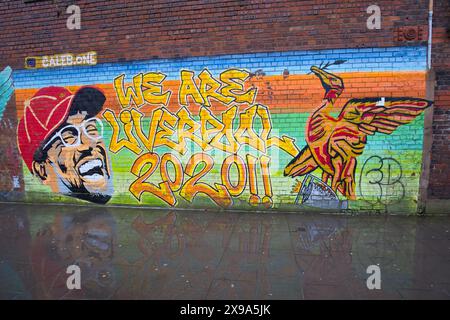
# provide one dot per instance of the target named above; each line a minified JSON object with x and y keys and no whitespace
{"x":60,"y":139}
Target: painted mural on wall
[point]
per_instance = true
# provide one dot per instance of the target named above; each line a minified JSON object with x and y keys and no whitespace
{"x":60,"y":140}
{"x":11,"y":183}
{"x":334,"y":143}
{"x":6,"y":89}
{"x":226,"y":131}
{"x":191,"y":138}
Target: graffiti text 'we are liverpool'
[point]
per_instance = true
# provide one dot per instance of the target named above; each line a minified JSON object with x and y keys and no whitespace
{"x":243,"y":123}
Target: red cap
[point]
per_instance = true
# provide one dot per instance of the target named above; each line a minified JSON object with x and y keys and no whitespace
{"x":46,"y":111}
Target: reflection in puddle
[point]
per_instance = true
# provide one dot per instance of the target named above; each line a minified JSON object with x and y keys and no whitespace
{"x":86,"y":239}
{"x":159,"y":254}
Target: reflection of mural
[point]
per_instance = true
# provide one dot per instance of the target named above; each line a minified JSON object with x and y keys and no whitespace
{"x":334,"y":143}
{"x":60,"y":140}
{"x":15,"y":243}
{"x":84,"y":238}
{"x":219,"y":131}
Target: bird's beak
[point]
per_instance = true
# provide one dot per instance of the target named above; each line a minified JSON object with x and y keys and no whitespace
{"x":318,"y":72}
{"x":332,"y":91}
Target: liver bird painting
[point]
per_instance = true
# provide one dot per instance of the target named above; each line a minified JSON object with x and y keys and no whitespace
{"x":334,"y":143}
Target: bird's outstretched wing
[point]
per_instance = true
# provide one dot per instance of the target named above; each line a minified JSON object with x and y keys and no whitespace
{"x":6,"y":89}
{"x":382,"y":114}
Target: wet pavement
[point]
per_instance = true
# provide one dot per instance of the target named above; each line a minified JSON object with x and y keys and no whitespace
{"x":128,"y":253}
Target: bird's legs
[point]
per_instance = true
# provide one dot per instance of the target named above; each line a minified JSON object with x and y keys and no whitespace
{"x":343,"y":177}
{"x":338,"y":165}
{"x":348,"y":179}
{"x":325,"y":177}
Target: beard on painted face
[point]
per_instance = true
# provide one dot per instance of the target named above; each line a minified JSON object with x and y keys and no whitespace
{"x":86,"y":173}
{"x":80,"y":162}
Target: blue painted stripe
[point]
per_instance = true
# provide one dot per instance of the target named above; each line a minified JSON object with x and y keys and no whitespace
{"x":273,"y":63}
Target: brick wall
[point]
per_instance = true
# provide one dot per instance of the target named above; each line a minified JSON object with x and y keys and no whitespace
{"x":439,"y":186}
{"x":276,"y":43}
{"x":124,"y":31}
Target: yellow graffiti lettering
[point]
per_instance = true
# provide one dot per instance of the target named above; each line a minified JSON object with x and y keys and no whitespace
{"x":232,"y":145}
{"x":173,"y":130}
{"x":189,"y":88}
{"x":245,"y":133}
{"x":175,"y":184}
{"x":167,"y":124}
{"x":254,"y":199}
{"x":243,"y":123}
{"x":234,"y":189}
{"x":267,"y":199}
{"x":149,"y":141}
{"x":117,"y":144}
{"x":215,"y":126}
{"x":186,"y":129}
{"x":210,"y":88}
{"x":234,"y":86}
{"x":153,"y":94}
{"x":286,"y":143}
{"x":140,"y":185}
{"x":130,"y":94}
{"x":219,"y":194}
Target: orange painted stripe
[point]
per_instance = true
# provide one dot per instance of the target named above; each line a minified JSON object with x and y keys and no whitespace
{"x":292,"y":94}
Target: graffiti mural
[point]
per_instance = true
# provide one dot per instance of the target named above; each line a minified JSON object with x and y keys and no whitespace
{"x":6,"y":89}
{"x":384,"y":174}
{"x":11,"y":184}
{"x":60,"y":140}
{"x":226,"y":131}
{"x":334,"y":143}
{"x":232,"y":135}
{"x":314,"y":192}
{"x":84,"y":237}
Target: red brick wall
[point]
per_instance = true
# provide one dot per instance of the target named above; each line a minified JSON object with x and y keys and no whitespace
{"x":122,"y":30}
{"x":439,"y":186}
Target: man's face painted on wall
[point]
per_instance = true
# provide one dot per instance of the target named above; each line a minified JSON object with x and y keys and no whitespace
{"x":77,"y":163}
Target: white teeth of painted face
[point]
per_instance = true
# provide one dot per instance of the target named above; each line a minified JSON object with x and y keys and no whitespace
{"x":85,"y":167}
{"x":93,"y":177}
